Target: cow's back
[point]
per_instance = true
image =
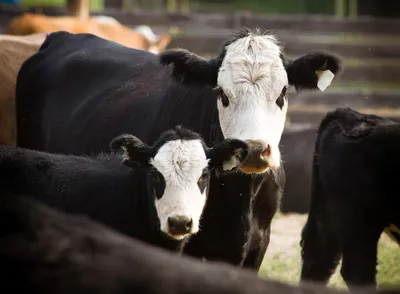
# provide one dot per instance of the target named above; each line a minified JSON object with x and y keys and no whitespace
{"x":100,"y":187}
{"x":112,"y":75}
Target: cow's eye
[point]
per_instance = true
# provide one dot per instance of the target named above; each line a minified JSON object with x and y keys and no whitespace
{"x":224,"y":98}
{"x":203,"y":180}
{"x":158,"y":183}
{"x":280,"y":101}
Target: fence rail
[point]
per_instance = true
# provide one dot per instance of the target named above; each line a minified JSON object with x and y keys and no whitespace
{"x":293,"y":23}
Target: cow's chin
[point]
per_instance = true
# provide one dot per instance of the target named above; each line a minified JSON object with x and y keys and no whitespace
{"x":250,"y":170}
{"x":176,"y":237}
{"x":256,"y":165}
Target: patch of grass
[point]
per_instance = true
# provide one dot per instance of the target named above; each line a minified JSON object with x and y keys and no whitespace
{"x":282,"y":261}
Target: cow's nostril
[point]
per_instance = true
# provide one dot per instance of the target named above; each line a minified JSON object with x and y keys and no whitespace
{"x":189,"y":225}
{"x":266,"y":152}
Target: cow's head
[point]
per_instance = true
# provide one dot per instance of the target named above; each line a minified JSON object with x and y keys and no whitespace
{"x":251,"y":77}
{"x":179,"y":166}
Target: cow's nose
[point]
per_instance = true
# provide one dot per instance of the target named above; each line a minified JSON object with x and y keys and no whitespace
{"x":266,"y":152}
{"x":259,"y":158}
{"x":179,"y":225}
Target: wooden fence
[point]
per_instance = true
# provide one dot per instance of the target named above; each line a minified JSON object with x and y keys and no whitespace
{"x":370,"y":48}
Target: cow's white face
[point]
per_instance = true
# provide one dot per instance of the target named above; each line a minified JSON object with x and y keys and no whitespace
{"x":178,"y":168}
{"x":252,"y":105}
{"x":251,"y":78}
{"x":183,"y":166}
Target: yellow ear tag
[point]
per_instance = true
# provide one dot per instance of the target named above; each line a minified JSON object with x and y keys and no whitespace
{"x":325,"y":78}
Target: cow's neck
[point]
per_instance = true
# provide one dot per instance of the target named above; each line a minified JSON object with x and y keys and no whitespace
{"x":228,"y":220}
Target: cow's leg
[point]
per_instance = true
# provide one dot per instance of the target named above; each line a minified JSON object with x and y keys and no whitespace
{"x":255,"y":256}
{"x":320,"y":251}
{"x":360,"y":255}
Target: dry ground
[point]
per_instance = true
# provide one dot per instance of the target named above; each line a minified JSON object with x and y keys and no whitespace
{"x":282,"y":260}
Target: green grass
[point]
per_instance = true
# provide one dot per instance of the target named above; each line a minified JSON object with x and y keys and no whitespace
{"x":282,"y":261}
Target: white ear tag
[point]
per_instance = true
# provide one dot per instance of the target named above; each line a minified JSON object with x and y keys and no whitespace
{"x":324,"y":79}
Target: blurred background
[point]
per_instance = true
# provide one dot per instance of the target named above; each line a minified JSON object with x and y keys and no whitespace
{"x":365,"y":33}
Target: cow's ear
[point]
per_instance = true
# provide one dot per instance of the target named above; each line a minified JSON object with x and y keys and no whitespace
{"x":227,"y":155}
{"x":163,"y":41}
{"x":313,"y":70}
{"x":189,"y":68}
{"x":135,"y":151}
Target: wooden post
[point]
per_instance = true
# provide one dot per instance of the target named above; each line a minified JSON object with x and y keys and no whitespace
{"x":340,"y":7}
{"x":353,"y":8}
{"x":185,"y":6}
{"x":171,"y":6}
{"x":78,"y":8}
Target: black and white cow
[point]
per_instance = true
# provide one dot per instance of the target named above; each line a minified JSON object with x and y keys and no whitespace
{"x":80,"y":90}
{"x":156,"y":195}
{"x":354,"y":196}
{"x":46,"y":251}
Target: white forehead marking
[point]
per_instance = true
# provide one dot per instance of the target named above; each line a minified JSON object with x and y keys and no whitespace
{"x":254,"y":65}
{"x":181,"y":162}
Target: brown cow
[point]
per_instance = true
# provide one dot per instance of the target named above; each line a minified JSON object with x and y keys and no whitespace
{"x":14,"y":50}
{"x":103,"y":26}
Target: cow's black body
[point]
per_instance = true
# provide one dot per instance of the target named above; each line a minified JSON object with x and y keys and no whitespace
{"x":79,"y":91}
{"x":354,"y":196}
{"x":297,"y":148}
{"x":45,"y":251}
{"x":100,"y":187}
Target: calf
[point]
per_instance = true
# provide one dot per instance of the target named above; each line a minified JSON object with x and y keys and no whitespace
{"x":354,"y":196}
{"x":45,"y":251}
{"x":160,"y":187}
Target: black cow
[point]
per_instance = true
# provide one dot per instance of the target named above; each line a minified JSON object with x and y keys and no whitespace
{"x":355,"y":196}
{"x":45,"y":251}
{"x":156,"y":195}
{"x":297,"y":148}
{"x":80,"y":90}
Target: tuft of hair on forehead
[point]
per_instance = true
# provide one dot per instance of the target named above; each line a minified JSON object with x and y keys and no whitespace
{"x":177,"y":133}
{"x":245,"y":32}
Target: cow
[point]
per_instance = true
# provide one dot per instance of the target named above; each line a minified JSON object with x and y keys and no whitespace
{"x":354,"y":196}
{"x":14,"y":50}
{"x":154,"y":193}
{"x":87,"y":90}
{"x":103,"y":26}
{"x":44,"y":250}
{"x":297,"y":148}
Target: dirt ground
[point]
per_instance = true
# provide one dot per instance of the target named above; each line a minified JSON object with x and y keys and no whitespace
{"x":285,"y":235}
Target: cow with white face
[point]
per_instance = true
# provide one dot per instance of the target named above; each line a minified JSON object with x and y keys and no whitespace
{"x":154,"y":193}
{"x":179,"y":165}
{"x":239,"y":94}
{"x":252,"y":78}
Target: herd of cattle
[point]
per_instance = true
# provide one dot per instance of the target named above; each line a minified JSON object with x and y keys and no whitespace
{"x":175,"y":152}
